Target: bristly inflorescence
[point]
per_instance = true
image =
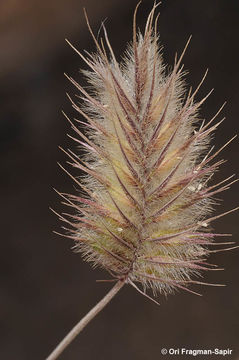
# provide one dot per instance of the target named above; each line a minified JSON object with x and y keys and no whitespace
{"x":144,"y":213}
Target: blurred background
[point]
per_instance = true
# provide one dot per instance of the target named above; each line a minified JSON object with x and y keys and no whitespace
{"x":45,"y":287}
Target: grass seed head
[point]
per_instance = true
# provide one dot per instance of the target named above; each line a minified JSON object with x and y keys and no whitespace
{"x":144,"y":213}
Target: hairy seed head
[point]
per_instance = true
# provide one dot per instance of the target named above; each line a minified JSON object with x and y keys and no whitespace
{"x":144,"y":213}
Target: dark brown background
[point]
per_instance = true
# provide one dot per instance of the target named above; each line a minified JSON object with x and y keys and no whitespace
{"x":45,"y":287}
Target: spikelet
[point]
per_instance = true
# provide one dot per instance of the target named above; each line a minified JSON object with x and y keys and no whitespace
{"x":145,"y":211}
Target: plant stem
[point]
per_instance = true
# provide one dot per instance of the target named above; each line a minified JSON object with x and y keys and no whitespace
{"x":85,"y":320}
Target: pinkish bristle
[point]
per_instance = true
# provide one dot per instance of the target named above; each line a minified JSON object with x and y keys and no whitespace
{"x":145,"y":212}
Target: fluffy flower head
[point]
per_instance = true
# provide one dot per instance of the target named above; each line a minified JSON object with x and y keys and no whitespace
{"x":144,"y":211}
